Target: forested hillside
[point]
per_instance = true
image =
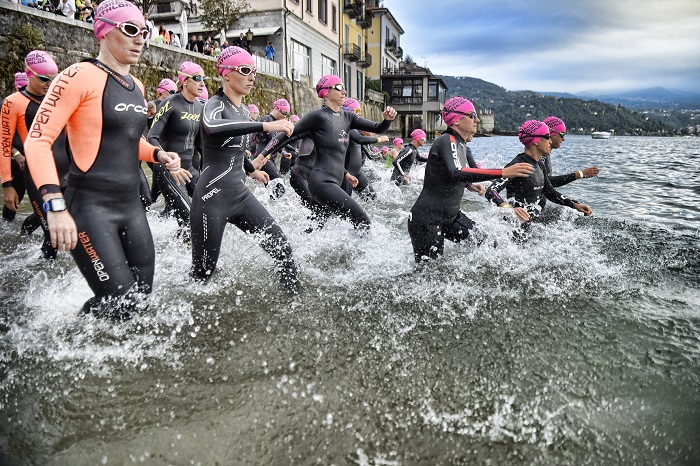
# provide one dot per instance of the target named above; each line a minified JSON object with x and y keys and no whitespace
{"x":512,"y":108}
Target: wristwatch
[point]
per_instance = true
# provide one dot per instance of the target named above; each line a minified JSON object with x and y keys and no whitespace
{"x":57,"y":204}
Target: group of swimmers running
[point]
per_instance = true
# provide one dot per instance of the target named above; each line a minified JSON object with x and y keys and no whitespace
{"x":82,"y":134}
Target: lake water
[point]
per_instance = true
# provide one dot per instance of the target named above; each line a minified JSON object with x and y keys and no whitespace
{"x":579,"y":346}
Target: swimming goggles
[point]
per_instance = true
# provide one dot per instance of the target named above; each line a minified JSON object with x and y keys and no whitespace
{"x":129,"y":29}
{"x":338,"y":87}
{"x":42,"y":77}
{"x":560,"y":134}
{"x":245,"y":70}
{"x":471,"y":115}
{"x":198,"y":78}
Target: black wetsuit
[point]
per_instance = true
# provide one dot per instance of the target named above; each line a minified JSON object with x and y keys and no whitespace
{"x":354,"y":159}
{"x":175,"y":128}
{"x":528,"y":192}
{"x":262,"y":139}
{"x":222,"y":197}
{"x":436,"y":214}
{"x":403,"y":163}
{"x":329,"y":131}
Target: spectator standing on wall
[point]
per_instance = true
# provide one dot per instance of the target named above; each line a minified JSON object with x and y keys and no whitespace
{"x":174,"y":39}
{"x":270,"y":51}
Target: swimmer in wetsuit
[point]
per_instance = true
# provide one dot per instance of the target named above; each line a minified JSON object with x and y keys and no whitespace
{"x":17,"y":116}
{"x":100,"y":220}
{"x":280,"y":110}
{"x":354,"y":158}
{"x":328,"y":128}
{"x":221,"y":196}
{"x":166,"y":87}
{"x":436,"y":215}
{"x":407,"y":157}
{"x":557,"y":131}
{"x":176,"y":129}
{"x":527,"y":193}
{"x":17,"y":165}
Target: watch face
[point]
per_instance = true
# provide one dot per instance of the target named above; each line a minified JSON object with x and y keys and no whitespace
{"x":56,"y":205}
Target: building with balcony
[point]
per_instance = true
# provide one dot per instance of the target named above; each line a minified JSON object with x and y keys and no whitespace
{"x":305,"y":33}
{"x":383,"y":40}
{"x":355,"y":57}
{"x":417,"y":95}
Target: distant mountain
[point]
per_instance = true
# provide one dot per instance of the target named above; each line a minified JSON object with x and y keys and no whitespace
{"x":512,"y":108}
{"x":654,"y":98}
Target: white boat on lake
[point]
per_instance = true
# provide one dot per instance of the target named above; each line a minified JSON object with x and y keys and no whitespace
{"x":600,"y":134}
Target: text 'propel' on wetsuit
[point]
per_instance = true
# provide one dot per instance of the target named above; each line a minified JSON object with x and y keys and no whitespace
{"x":175,"y":128}
{"x":329,"y":131}
{"x":527,"y":192}
{"x":18,"y":113}
{"x":436,"y":214}
{"x":222,"y":197}
{"x":104,"y":114}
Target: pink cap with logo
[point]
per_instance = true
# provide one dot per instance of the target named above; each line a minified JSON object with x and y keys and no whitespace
{"x":118,"y":11}
{"x":385,"y":149}
{"x":188,"y":69}
{"x":351,"y":103}
{"x":555,"y":124}
{"x":397,"y":141}
{"x":282,"y":105}
{"x":418,"y":134}
{"x":21,"y":79}
{"x":231,"y":57}
{"x":166,"y":85}
{"x":532,"y":131}
{"x":252,"y":108}
{"x":294,"y":118}
{"x":455,"y":108}
{"x":325,"y":83}
{"x":39,"y":62}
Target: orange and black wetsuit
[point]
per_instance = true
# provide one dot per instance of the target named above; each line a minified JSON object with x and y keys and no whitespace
{"x":16,"y":172}
{"x":18,"y":114}
{"x":104,"y":114}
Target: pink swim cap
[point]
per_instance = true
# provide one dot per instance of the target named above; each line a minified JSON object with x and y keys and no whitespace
{"x":455,"y":108}
{"x":351,"y":103}
{"x":418,"y":134}
{"x":39,"y":62}
{"x":252,"y":108}
{"x":375,"y":150}
{"x":532,"y":131}
{"x":282,"y":105}
{"x":397,"y":141}
{"x":294,"y":118}
{"x":556,"y":125}
{"x":188,"y":69}
{"x":21,"y":79}
{"x":385,"y":149}
{"x":166,"y":85}
{"x":115,"y":10}
{"x":233,"y":56}
{"x":325,"y":83}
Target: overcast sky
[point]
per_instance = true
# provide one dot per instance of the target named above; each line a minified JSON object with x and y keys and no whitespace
{"x":560,"y":46}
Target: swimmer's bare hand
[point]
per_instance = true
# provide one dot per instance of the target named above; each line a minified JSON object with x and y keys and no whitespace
{"x":11,"y":198}
{"x":590,"y":172}
{"x":181,"y":176}
{"x":62,"y":229}
{"x":352,"y":180}
{"x":584,"y":209}
{"x":170,"y":160}
{"x":21,"y":161}
{"x":389,"y":114}
{"x":260,"y":176}
{"x":477,"y":188}
{"x":518,"y":170}
{"x":382,"y":138}
{"x":521,"y":214}
{"x":259,"y":161}
{"x":279,"y":126}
